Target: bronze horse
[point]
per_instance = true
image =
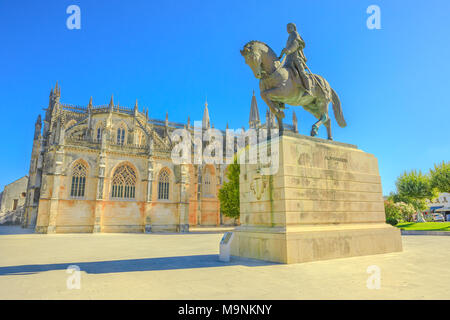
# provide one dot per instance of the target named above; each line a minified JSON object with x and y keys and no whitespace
{"x":277,"y":88}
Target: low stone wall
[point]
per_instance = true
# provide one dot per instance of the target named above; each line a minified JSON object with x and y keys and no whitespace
{"x":424,"y":233}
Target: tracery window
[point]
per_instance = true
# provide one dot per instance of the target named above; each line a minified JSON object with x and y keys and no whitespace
{"x":120,"y":136}
{"x":163,"y":185}
{"x":123,"y":183}
{"x":78,"y":180}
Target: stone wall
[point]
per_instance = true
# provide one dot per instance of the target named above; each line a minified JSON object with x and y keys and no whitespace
{"x":68,"y":214}
{"x":13,"y":201}
{"x":14,"y":195}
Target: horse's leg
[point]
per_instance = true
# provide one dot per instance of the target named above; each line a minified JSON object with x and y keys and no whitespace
{"x":273,"y":106}
{"x":315,"y":128}
{"x":328,"y":125}
{"x":280,"y":117}
{"x":275,"y":92}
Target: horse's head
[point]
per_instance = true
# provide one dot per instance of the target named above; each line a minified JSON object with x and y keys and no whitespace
{"x":252,"y":57}
{"x":258,"y":56}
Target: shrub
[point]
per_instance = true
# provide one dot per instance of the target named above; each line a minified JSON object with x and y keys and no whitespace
{"x":392,"y":221}
{"x":398,"y":211}
{"x":391,"y":210}
{"x":407,"y":211}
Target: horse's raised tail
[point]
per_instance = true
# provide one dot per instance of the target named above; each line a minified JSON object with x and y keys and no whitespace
{"x":337,"y":109}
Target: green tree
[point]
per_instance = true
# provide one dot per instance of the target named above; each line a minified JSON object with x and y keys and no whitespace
{"x":414,"y":188}
{"x":229,"y":193}
{"x":417,"y":204}
{"x":415,"y":185}
{"x":440,"y":177}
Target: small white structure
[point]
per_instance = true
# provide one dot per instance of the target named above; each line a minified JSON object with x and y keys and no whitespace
{"x":225,"y":245}
{"x":441,"y":205}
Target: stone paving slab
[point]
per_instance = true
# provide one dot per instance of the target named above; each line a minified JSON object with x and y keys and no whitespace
{"x":186,"y":266}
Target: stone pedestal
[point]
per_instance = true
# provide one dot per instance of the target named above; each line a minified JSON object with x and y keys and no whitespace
{"x":324,"y":202}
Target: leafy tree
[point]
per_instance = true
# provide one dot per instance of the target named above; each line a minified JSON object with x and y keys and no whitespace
{"x":417,"y":204}
{"x":414,"y":187}
{"x":440,"y":177}
{"x":229,"y":193}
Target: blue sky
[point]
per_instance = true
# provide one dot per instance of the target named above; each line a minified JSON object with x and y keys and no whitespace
{"x":393,"y":83}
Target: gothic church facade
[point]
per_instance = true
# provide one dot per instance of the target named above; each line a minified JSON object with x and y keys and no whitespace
{"x":108,"y":169}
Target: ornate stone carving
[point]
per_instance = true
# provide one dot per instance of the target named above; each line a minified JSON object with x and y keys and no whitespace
{"x":258,"y":186}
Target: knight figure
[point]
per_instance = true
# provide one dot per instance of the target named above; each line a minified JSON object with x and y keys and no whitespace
{"x":295,"y":59}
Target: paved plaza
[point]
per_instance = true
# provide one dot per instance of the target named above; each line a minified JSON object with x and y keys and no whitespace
{"x":186,"y":266}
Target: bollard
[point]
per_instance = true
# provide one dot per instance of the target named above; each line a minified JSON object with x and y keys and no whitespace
{"x":225,"y":245}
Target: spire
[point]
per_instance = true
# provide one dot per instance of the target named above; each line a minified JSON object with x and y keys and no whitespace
{"x":111,"y":103}
{"x":57,"y":90}
{"x":189,"y":122}
{"x":37,"y":127}
{"x":254,"y":120}
{"x":89,"y":110}
{"x":136,"y":109}
{"x":227,"y":126}
{"x":205,"y":122}
{"x":166,"y":128}
{"x":294,"y":121}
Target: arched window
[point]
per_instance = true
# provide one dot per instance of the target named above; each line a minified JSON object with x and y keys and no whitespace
{"x":123,"y":183}
{"x":163,"y":185}
{"x":99,"y":134}
{"x":78,"y":180}
{"x":207,"y":183}
{"x":120,"y":136}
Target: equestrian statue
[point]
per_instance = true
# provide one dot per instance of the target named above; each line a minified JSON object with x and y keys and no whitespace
{"x":287,"y":82}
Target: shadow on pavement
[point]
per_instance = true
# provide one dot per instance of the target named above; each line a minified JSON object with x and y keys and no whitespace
{"x":132,"y":265}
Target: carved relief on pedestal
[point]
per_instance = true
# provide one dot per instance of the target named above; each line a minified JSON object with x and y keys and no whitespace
{"x":258,"y":186}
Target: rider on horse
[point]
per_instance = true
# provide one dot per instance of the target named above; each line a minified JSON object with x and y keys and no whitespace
{"x":295,"y":59}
